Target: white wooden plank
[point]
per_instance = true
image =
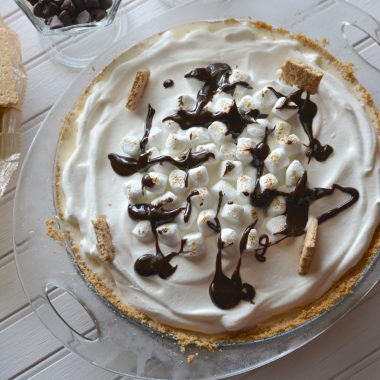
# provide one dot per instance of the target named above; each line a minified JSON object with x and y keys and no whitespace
{"x":8,"y":7}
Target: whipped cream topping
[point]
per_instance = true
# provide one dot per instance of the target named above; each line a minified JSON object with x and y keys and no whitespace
{"x":92,"y":188}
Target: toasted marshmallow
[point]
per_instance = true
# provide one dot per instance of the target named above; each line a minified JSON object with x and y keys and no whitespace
{"x":177,"y":181}
{"x":238,"y":76}
{"x":281,"y":128}
{"x":229,"y":237}
{"x":156,"y":137}
{"x":204,"y":217}
{"x":218,"y":132}
{"x":143,"y":231}
{"x":176,"y":142}
{"x":223,"y":104}
{"x":210,"y":148}
{"x":168,"y":234}
{"x":276,"y":160}
{"x":199,"y":176}
{"x":277,"y":206}
{"x":166,"y":199}
{"x":229,"y":192}
{"x":252,"y":241}
{"x":245,"y":185}
{"x":291,"y":144}
{"x":180,"y":219}
{"x":276,"y":225}
{"x":294,"y":173}
{"x":203,"y":199}
{"x":227,"y":151}
{"x":284,"y":113}
{"x":230,"y":169}
{"x":158,"y":182}
{"x":133,"y":190}
{"x":197,"y":136}
{"x":251,"y":214}
{"x":257,"y":130}
{"x":266,"y":98}
{"x":244,"y":148}
{"x":170,"y":126}
{"x":186,"y":102}
{"x":248,"y":103}
{"x":232,"y":212}
{"x":268,"y":182}
{"x":131,"y":145}
{"x":194,"y":245}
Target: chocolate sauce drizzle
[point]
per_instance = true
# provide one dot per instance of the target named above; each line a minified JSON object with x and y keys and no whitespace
{"x":148,"y":264}
{"x":307,"y":110}
{"x":227,"y":292}
{"x":216,"y":79}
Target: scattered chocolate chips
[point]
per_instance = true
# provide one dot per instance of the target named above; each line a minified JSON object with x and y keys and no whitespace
{"x":60,"y":13}
{"x":168,"y":83}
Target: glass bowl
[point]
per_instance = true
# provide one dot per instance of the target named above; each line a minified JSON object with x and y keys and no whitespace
{"x":117,"y":343}
{"x":77,"y":45}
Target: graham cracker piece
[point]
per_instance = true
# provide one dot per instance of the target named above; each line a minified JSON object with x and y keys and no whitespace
{"x":308,"y":247}
{"x":8,"y":90}
{"x":300,"y":74}
{"x":103,"y":238}
{"x":137,"y":89}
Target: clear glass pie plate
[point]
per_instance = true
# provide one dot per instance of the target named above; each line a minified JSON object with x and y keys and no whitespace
{"x":117,"y":343}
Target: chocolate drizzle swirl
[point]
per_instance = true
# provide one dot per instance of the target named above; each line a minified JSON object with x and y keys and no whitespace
{"x":307,"y":110}
{"x":227,"y":292}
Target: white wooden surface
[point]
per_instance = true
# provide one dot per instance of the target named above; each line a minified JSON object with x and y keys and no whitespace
{"x":349,"y":350}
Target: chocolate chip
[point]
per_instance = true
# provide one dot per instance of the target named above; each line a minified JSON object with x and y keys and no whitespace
{"x":83,"y":17}
{"x":105,"y":4}
{"x":68,"y":5}
{"x":65,"y":17}
{"x":56,"y":23}
{"x":79,"y":5}
{"x":50,"y":9}
{"x":38,"y":10}
{"x":91,"y":3}
{"x":98,"y":14}
{"x":33,"y":2}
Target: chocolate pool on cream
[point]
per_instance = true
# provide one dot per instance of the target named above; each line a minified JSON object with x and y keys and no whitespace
{"x":242,"y":139}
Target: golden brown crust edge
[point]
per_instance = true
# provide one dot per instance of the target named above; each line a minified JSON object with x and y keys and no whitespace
{"x":272,"y":326}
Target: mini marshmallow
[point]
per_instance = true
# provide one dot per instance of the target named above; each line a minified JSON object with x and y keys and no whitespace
{"x":177,"y":181}
{"x":251,"y":214}
{"x":204,"y":217}
{"x":211,"y":148}
{"x":277,"y":206}
{"x":265,"y":97}
{"x":244,"y":148}
{"x":197,"y":136}
{"x":230,"y":169}
{"x":268,"y":182}
{"x":186,"y":102}
{"x":159,"y":182}
{"x":131,"y":146}
{"x":156,"y":137}
{"x":248,"y":103}
{"x":257,"y":130}
{"x":194,"y":245}
{"x":229,"y":237}
{"x":170,"y":126}
{"x":229,"y":192}
{"x":294,"y":173}
{"x":227,"y":151}
{"x":238,"y":76}
{"x":232,"y":212}
{"x":168,"y":234}
{"x":276,"y":225}
{"x":252,"y":241}
{"x":276,"y":160}
{"x":199,"y":176}
{"x":218,"y":131}
{"x":291,"y":144}
{"x":166,"y":199}
{"x":153,"y":152}
{"x":203,"y":199}
{"x":143,"y":231}
{"x":284,"y":113}
{"x":180,"y":219}
{"x":281,"y":128}
{"x":176,"y":142}
{"x":223,"y":104}
{"x":133,"y":190}
{"x":245,"y":185}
